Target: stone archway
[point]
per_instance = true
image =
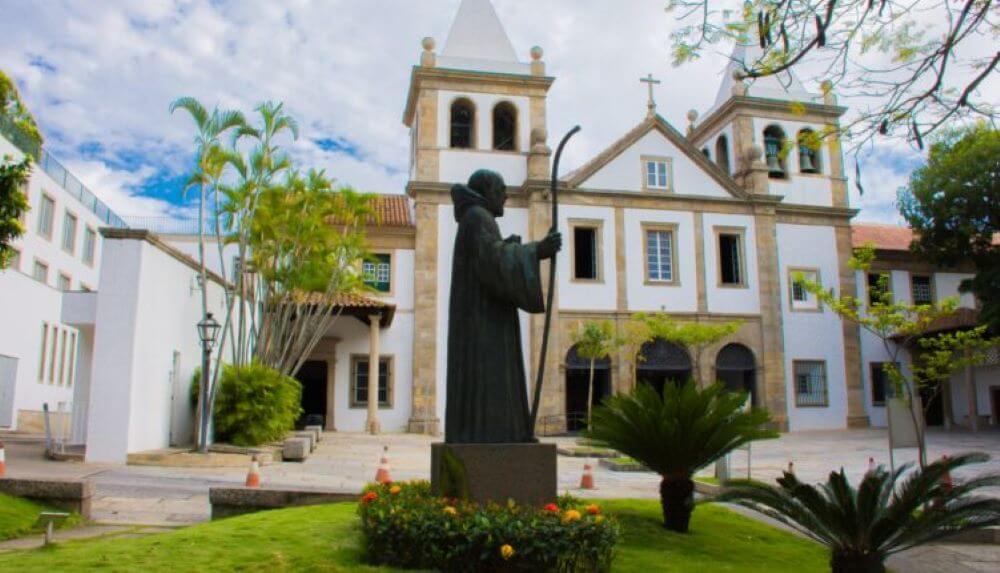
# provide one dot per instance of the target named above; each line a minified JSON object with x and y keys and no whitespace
{"x":576,"y":388}
{"x":662,"y":361}
{"x":736,"y":368}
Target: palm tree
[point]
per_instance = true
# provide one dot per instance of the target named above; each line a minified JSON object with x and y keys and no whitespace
{"x":593,"y":341}
{"x":863,"y":526}
{"x":208,"y":170}
{"x":678,"y":434}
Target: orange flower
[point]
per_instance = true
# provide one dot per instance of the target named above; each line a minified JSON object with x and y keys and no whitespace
{"x":395,"y":489}
{"x":593,"y":509}
{"x":369,"y":497}
{"x":506,"y":551}
{"x":571,"y":515}
{"x":551,"y":507}
{"x":451,"y":510}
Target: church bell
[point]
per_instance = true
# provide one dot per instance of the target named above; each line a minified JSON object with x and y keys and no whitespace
{"x":774,"y":166}
{"x":806,"y":164}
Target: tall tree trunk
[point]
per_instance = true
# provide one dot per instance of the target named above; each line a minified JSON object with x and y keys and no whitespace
{"x":203,"y":411}
{"x":590,"y":393}
{"x":677,"y":502}
{"x":854,"y":562}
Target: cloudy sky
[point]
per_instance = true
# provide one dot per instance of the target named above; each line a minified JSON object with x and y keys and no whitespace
{"x":99,"y":77}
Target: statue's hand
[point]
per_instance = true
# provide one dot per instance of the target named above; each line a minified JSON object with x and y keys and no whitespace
{"x":516,"y":239}
{"x":550,"y":245}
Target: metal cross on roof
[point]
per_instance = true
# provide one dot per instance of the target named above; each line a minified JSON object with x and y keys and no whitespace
{"x":650,"y":82}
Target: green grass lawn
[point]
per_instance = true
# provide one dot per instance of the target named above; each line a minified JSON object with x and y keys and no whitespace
{"x":20,"y":517}
{"x":327,"y":538}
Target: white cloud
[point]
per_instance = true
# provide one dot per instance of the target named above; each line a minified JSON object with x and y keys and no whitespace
{"x":341,"y":67}
{"x":119,"y":188}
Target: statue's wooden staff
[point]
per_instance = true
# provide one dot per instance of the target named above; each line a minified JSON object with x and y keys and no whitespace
{"x":552,"y":281}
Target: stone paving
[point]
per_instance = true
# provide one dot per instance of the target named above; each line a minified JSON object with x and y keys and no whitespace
{"x":157,"y":496}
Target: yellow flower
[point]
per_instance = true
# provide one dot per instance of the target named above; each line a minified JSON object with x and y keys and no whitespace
{"x":571,"y":515}
{"x":451,"y":510}
{"x":506,"y":551}
{"x":599,"y":519}
{"x":395,"y":489}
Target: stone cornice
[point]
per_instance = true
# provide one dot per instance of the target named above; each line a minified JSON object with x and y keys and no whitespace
{"x":763,"y":107}
{"x":480,"y":80}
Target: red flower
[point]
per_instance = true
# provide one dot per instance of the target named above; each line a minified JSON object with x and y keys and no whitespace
{"x":552,"y":508}
{"x":369,"y":497}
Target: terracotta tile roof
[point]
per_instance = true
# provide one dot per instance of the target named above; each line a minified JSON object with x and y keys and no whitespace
{"x":355,"y":304}
{"x":392,"y":211}
{"x":885,"y":237}
{"x":962,"y":318}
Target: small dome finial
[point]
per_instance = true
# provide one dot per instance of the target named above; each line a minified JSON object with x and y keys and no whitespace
{"x":692,"y":115}
{"x":428,"y":43}
{"x":536,"y":53}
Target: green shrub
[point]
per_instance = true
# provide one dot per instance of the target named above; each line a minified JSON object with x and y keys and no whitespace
{"x":255,"y":405}
{"x":404,"y":525}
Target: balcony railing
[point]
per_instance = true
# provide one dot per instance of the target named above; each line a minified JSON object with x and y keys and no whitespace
{"x":169,"y":225}
{"x":55,"y":170}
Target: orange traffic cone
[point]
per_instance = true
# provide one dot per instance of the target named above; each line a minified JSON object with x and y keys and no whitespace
{"x":587,"y":480}
{"x":253,"y":477}
{"x":382,"y":475}
{"x":3,"y":461}
{"x":871,"y":464}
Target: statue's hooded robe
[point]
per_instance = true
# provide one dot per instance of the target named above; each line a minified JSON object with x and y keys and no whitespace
{"x":490,"y":280}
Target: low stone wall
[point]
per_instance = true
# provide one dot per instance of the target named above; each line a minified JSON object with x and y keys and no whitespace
{"x":237,"y":500}
{"x":71,"y":495}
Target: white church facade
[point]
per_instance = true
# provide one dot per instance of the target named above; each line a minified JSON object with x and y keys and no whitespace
{"x":707,"y":223}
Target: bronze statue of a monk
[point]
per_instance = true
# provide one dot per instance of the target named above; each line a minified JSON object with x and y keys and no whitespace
{"x":491,"y":279}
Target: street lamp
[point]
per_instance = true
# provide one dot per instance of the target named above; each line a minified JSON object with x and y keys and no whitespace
{"x":208,"y":329}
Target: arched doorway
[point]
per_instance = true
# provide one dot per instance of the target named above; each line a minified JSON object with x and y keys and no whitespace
{"x":735,"y":367}
{"x":577,"y":378}
{"x":661,"y":361}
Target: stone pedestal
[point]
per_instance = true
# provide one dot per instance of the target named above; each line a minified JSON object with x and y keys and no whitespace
{"x":525,"y":473}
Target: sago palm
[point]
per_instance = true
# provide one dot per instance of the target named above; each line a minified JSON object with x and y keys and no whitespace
{"x":677,"y":434}
{"x":884,"y":515}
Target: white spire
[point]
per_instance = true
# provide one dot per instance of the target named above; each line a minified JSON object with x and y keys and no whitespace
{"x":785,"y":85}
{"x":478,"y":41}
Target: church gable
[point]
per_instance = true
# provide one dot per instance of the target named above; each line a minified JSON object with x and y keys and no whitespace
{"x":655,"y":158}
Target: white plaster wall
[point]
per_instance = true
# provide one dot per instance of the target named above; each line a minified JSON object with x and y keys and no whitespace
{"x":799,"y":188}
{"x":49,"y":250}
{"x":681,"y":296}
{"x":146,"y":310}
{"x":25,"y":305}
{"x":514,"y":222}
{"x":625,"y":172}
{"x":986,"y":378}
{"x":734,"y":300}
{"x":188,"y":244}
{"x":456,"y":165}
{"x":588,"y":295}
{"x":812,"y":335}
{"x":946,"y":285}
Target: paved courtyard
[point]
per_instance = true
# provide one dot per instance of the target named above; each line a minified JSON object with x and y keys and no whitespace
{"x":345,"y":461}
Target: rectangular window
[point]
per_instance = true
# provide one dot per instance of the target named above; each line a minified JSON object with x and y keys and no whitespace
{"x":922,"y":289}
{"x":89,"y":244}
{"x":46,"y":213}
{"x":878,"y":286}
{"x":659,"y":255}
{"x":72,"y":359}
{"x":586,"y":265}
{"x":359,"y":379}
{"x":656,"y":173}
{"x":69,"y":233}
{"x":378,"y":272}
{"x":40,"y":272}
{"x":53,"y":353}
{"x":731,"y":258}
{"x":61,"y":380}
{"x":802,"y":299}
{"x":810,"y":383}
{"x":65,"y":282}
{"x":45,"y":346}
{"x":881,"y":385}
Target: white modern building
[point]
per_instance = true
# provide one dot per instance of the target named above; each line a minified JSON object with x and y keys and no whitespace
{"x":708,"y":223}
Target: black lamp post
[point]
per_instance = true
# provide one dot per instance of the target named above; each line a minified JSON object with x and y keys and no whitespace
{"x":208,"y":329}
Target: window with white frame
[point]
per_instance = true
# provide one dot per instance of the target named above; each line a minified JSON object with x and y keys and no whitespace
{"x":802,"y":299}
{"x":89,"y":244}
{"x":65,"y":282}
{"x":657,"y":173}
{"x":810,"y":383}
{"x":359,"y":381}
{"x":40,"y":272}
{"x":69,"y":233}
{"x":922,"y":290}
{"x":378,"y":272}
{"x":42,"y":354}
{"x":46,"y":216}
{"x":660,"y":255}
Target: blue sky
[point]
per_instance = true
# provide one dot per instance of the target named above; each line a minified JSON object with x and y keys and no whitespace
{"x":99,"y":77}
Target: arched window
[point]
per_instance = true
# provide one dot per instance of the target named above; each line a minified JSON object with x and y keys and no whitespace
{"x":735,"y":367}
{"x":661,"y":361}
{"x":463,"y":122}
{"x":809,"y":146}
{"x":579,"y":388}
{"x":706,"y":153}
{"x":774,"y":144}
{"x":722,"y":153}
{"x":505,"y":127}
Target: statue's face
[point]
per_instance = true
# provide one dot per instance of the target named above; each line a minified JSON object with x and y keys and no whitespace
{"x":497,"y":198}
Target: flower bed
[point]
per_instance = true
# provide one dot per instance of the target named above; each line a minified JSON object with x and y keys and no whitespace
{"x":405,"y":525}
